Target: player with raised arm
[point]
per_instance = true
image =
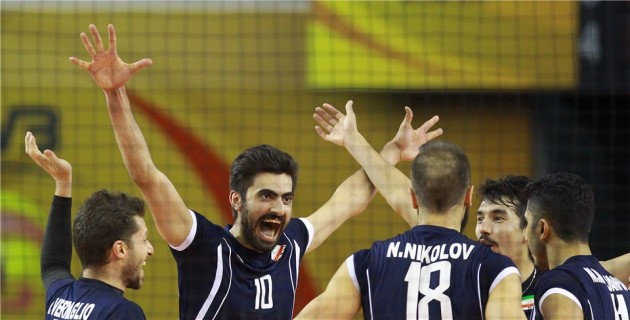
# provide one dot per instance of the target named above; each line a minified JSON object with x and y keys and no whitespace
{"x":249,"y":269}
{"x":110,"y":237}
{"x":431,"y":271}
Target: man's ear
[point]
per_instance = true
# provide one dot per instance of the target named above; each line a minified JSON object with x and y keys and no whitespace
{"x":119,"y":249}
{"x":468,"y":199}
{"x":414,"y":201}
{"x":235,"y":200}
{"x":544,"y":229}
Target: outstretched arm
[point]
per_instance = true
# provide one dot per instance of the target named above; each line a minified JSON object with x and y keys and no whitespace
{"x":57,"y":246}
{"x":388,"y":180}
{"x":340,"y":300}
{"x":354,"y":194}
{"x":110,"y":73}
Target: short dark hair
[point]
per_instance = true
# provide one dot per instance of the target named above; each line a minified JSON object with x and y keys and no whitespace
{"x":566,"y":201}
{"x":104,"y":218}
{"x":440,"y":175}
{"x":507,"y":191}
{"x":260,"y":159}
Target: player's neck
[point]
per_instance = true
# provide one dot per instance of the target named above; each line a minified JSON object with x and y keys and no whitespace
{"x":525,"y":268}
{"x":560,"y":251}
{"x":450,"y":220}
{"x":107,"y":275}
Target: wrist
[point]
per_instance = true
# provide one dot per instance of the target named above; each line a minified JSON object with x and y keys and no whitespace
{"x":390,"y":153}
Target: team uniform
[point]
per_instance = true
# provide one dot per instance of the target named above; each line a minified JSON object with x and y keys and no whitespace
{"x":527,"y":288}
{"x":221,"y":279}
{"x":67,"y":298}
{"x":584,"y":280}
{"x":428,"y":272}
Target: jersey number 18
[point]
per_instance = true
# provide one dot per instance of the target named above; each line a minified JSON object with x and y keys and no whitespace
{"x":418,"y":280}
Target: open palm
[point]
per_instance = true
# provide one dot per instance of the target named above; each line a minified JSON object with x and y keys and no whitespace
{"x":107,"y":69}
{"x":333,"y":125}
{"x":408,"y":139}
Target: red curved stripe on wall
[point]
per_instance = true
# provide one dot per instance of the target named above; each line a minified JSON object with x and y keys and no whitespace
{"x":216,"y":180}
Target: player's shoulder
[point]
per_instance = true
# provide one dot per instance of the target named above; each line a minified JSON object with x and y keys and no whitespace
{"x":127,"y":309}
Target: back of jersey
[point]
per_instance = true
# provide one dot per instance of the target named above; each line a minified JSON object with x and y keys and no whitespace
{"x":428,"y":272}
{"x":584,"y":280}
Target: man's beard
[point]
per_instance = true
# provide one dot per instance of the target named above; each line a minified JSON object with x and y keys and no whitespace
{"x":131,"y":276}
{"x":249,"y":231}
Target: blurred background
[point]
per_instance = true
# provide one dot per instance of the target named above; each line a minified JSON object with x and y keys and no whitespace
{"x":524,"y":87}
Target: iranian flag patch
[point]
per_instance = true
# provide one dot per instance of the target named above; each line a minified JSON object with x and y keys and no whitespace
{"x":527,"y":303}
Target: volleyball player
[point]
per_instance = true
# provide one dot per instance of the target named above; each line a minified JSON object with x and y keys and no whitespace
{"x":250,"y":269}
{"x":110,"y":237}
{"x":431,"y":271}
{"x":501,"y":224}
{"x":560,"y":210}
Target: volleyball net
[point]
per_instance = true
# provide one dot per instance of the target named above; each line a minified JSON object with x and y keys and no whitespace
{"x":524,"y":87}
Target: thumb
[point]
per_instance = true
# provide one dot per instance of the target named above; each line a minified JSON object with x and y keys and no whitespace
{"x":349,"y":107}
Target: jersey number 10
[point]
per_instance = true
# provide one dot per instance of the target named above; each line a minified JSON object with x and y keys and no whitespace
{"x":264,"y":292}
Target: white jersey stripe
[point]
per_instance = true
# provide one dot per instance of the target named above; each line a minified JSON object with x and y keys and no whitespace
{"x":559,"y":291}
{"x":311,"y":231}
{"x":351,"y":272}
{"x":215,"y":286}
{"x":230,"y":282}
{"x":506,"y":272}
{"x":481,"y":308}
{"x":191,"y":234}
{"x":367,"y":273}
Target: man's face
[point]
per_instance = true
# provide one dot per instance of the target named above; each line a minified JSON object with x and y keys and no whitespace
{"x":536,"y":246}
{"x":266,"y":210}
{"x":498,"y":226}
{"x":139,"y":251}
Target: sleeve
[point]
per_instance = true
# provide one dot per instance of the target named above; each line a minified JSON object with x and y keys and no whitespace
{"x":557,"y":282}
{"x":494,"y":268}
{"x":56,"y":254}
{"x":357,"y":264}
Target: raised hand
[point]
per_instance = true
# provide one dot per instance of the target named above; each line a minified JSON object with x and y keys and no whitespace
{"x":59,"y":169}
{"x":107,"y":69}
{"x":408,"y":139}
{"x":333,"y":125}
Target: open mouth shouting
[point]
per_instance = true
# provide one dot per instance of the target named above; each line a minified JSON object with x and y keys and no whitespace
{"x":270,"y":227}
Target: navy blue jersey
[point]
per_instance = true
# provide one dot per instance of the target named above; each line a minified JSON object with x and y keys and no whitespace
{"x":67,"y":298}
{"x":88,"y":299}
{"x":428,"y":272}
{"x":527,"y":289}
{"x":584,"y":280}
{"x":221,"y":279}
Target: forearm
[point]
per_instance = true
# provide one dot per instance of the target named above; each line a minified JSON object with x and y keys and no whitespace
{"x":56,"y":252}
{"x":129,"y":137}
{"x":168,"y":209}
{"x":388,"y":180}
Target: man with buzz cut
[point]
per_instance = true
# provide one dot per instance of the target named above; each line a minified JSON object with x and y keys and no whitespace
{"x":431,"y":271}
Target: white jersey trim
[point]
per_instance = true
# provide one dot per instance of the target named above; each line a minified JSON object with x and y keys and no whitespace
{"x":311,"y":232}
{"x":506,"y":272}
{"x":191,"y":234}
{"x":352,"y":273}
{"x":561,"y":292}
